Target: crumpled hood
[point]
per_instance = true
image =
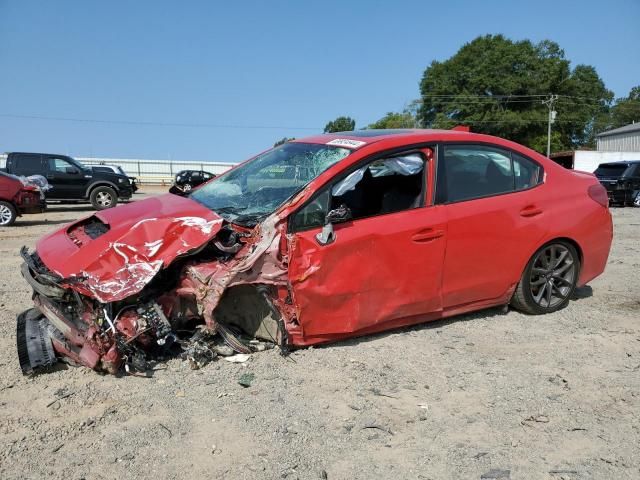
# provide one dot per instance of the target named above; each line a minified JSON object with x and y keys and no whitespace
{"x":142,"y":238}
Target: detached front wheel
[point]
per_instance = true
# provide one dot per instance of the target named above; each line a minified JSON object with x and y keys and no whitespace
{"x":8,"y":214}
{"x":103,"y":197}
{"x":549,"y":279}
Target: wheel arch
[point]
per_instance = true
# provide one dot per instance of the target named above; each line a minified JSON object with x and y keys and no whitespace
{"x":101,"y":183}
{"x":566,"y":239}
{"x":13,"y":204}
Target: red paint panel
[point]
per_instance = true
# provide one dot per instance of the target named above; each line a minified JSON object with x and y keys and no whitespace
{"x":9,"y":188}
{"x":488,"y":243}
{"x":377,"y":270}
{"x":143,"y":237}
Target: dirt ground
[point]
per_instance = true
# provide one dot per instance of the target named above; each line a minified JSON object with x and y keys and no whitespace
{"x":554,"y":397}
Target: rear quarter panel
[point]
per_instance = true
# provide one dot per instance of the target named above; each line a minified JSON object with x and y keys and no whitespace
{"x":9,"y":188}
{"x":575,"y":216}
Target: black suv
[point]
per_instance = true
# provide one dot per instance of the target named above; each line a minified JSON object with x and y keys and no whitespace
{"x":622,"y":181}
{"x":71,"y":180}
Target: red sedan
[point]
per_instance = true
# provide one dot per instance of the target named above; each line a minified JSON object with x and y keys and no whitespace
{"x":317,"y":240}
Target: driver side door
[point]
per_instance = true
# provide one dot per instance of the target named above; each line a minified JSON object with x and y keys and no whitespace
{"x":382,"y":269}
{"x":67,"y":179}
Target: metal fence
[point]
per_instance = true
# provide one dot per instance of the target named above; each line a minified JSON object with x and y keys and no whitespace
{"x":151,"y":171}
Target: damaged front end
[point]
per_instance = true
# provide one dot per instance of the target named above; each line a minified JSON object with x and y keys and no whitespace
{"x":117,"y":294}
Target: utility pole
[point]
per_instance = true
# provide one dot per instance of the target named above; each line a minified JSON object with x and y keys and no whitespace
{"x":552,"y":118}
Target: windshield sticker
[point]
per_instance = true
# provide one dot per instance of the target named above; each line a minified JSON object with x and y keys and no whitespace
{"x":345,"y":142}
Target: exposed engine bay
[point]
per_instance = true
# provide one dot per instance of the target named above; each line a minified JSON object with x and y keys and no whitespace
{"x":195,"y":299}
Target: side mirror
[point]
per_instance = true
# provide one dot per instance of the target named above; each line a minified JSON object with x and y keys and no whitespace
{"x":337,"y":215}
{"x":72,"y":170}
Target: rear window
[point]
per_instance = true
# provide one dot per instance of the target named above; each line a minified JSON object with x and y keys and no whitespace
{"x":26,"y":164}
{"x":611,"y":169}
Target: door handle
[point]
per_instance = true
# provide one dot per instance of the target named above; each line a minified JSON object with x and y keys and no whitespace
{"x":50,"y":176}
{"x":427,"y":235}
{"x":530,"y":211}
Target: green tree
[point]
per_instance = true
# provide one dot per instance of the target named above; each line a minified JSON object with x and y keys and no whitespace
{"x":497,"y":86}
{"x":340,"y":124}
{"x":283,"y":140}
{"x":395,"y":120}
{"x":626,"y":110}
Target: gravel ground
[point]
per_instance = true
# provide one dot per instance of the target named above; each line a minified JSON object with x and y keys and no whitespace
{"x":552,"y":397}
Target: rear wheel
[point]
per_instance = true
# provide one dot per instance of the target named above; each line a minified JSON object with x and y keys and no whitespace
{"x":8,"y":214}
{"x":103,"y":197}
{"x":549,"y":279}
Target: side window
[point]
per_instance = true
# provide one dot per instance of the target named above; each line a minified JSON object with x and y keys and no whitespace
{"x":27,"y":164}
{"x":313,"y":214}
{"x":59,"y":165}
{"x":527,"y":172}
{"x":385,"y":185}
{"x":474,"y":171}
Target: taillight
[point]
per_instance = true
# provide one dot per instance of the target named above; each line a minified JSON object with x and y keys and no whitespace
{"x":598,"y":194}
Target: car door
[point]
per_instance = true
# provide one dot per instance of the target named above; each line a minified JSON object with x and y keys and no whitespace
{"x":495,"y":213}
{"x":67,"y":179}
{"x":382,"y":267}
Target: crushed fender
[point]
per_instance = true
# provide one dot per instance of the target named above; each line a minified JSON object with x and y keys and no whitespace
{"x":196,"y":287}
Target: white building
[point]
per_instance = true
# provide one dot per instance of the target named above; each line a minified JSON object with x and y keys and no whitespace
{"x":618,"y":145}
{"x":623,"y":139}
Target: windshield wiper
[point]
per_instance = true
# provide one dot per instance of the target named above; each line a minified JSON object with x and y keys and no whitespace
{"x":227,"y":209}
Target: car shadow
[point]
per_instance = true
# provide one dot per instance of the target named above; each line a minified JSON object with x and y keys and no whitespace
{"x":434,"y":324}
{"x":69,"y":208}
{"x":580,"y":293}
{"x":36,"y":223}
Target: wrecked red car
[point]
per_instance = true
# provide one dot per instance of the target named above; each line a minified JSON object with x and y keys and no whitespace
{"x":19,"y":196}
{"x":317,"y":240}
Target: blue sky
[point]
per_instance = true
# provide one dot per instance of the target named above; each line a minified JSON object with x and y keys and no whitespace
{"x":287,"y":65}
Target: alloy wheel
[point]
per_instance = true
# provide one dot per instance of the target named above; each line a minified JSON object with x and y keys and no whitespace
{"x":553,"y":276}
{"x":5,"y":215}
{"x":186,"y":187}
{"x":104,"y":199}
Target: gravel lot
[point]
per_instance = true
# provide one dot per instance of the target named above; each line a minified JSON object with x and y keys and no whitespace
{"x":542,"y":397}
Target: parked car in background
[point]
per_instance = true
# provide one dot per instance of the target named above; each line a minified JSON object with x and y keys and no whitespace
{"x":19,"y":196}
{"x":316,"y":240}
{"x":185,"y":180}
{"x":72,"y":181}
{"x":622,"y":181}
{"x":118,"y":170}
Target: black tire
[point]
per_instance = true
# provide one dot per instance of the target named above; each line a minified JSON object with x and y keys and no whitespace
{"x":103,"y":197}
{"x":8,"y":214}
{"x":549,"y":280}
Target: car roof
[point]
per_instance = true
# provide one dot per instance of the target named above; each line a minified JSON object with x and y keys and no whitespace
{"x":39,"y":153}
{"x":412,"y":135}
{"x":621,"y":162}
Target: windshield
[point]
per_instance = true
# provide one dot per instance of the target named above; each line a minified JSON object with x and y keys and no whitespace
{"x":610,"y":170}
{"x":256,"y":189}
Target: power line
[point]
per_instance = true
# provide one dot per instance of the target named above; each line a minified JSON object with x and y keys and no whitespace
{"x":155,"y":124}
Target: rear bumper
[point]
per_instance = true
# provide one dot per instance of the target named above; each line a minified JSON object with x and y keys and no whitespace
{"x":621,"y":196}
{"x":595,"y":243}
{"x":125,"y":192}
{"x":29,"y":208}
